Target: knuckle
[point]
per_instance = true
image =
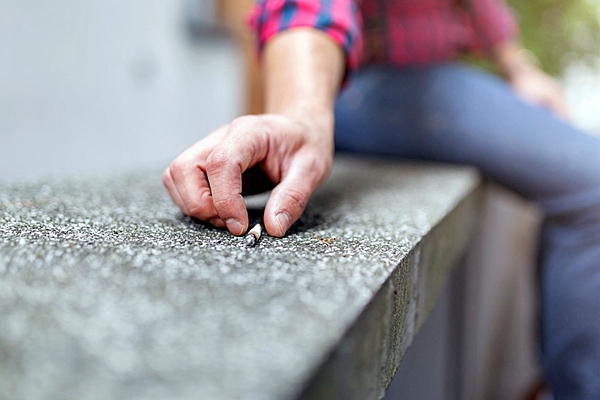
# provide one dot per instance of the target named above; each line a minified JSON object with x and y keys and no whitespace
{"x":218,"y":160}
{"x":200,"y":212}
{"x":249,"y":126}
{"x":224,"y":206}
{"x":296,"y":197}
{"x":202,"y":208}
{"x":245,"y":120}
{"x":178,"y":168}
{"x":228,"y":207}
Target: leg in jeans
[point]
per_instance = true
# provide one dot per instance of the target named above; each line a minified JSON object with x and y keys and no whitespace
{"x":456,"y":114}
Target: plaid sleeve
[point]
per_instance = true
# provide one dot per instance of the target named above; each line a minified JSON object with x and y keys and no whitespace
{"x":338,"y":18}
{"x":492,"y":22}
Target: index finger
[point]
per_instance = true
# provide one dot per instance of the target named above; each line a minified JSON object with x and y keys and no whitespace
{"x":242,"y":148}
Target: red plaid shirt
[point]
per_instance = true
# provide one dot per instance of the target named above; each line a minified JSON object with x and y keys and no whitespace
{"x":396,"y":32}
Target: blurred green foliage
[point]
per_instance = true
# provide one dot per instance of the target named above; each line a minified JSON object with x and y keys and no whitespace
{"x":559,"y":32}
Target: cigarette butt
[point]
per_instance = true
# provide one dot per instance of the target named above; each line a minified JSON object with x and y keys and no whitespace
{"x":251,"y":238}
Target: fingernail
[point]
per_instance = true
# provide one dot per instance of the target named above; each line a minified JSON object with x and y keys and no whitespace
{"x":284,"y":221}
{"x":234,"y":226}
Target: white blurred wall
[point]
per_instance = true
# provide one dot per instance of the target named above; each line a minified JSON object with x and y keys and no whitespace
{"x":582,"y":90}
{"x":94,"y":87}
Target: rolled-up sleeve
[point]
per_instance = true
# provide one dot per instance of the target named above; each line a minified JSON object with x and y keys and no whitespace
{"x":340,"y":19}
{"x":493,"y":23}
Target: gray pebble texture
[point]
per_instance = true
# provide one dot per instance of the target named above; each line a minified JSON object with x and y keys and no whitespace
{"x":108,"y":292}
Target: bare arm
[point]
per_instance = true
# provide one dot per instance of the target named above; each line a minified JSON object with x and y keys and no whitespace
{"x":291,"y":146}
{"x":499,"y":36}
{"x":531,"y":83}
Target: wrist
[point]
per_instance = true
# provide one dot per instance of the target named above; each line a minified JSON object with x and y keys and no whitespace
{"x":317,"y":119}
{"x":513,"y":60}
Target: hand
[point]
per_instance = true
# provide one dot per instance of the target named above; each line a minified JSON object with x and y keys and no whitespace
{"x":531,"y":84}
{"x":252,"y":154}
{"x":535,"y":86}
{"x":290,"y":149}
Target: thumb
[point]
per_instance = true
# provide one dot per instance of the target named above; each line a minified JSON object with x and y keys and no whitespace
{"x":290,"y":197}
{"x":286,"y":204}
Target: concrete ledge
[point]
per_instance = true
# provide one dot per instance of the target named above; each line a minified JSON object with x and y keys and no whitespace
{"x":106,"y":292}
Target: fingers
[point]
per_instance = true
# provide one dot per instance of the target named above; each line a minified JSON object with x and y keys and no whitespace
{"x":187,"y":184}
{"x":244,"y":146}
{"x":537,"y":88}
{"x":205,"y":181}
{"x":225,"y":177}
{"x":289,"y":199}
{"x":188,"y":187}
{"x":558,"y":105}
{"x":167,"y":180}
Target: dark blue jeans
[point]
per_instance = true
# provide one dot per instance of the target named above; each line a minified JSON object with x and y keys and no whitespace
{"x":457,"y":114}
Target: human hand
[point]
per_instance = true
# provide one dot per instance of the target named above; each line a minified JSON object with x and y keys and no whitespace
{"x":536,"y":87}
{"x":520,"y":68}
{"x":289,"y":150}
{"x":250,"y":155}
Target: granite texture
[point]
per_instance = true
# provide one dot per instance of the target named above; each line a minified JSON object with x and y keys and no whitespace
{"x":108,"y":292}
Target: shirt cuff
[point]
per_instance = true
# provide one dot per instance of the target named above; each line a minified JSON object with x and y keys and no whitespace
{"x":337,"y":18}
{"x":493,"y":24}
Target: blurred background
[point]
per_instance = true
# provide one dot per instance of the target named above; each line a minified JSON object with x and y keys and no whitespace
{"x":94,"y":87}
{"x":100,"y":87}
{"x":564,"y":37}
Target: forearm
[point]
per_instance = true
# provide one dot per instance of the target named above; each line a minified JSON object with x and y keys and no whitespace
{"x":290,"y":149}
{"x":303,"y":70}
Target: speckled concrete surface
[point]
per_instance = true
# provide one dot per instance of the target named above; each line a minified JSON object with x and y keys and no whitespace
{"x":107,"y":292}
